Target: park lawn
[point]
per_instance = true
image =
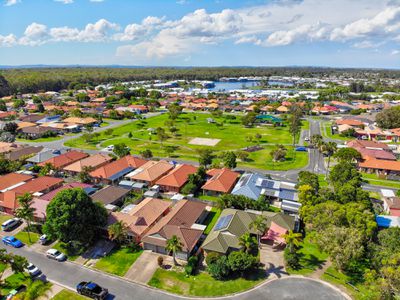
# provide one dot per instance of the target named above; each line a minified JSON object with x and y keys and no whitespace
{"x":13,"y":281}
{"x":104,"y":124}
{"x":211,"y":219}
{"x":233,"y":137}
{"x":41,"y":140}
{"x":4,"y":218}
{"x":375,"y":180}
{"x":311,"y":258}
{"x":202,"y":284}
{"x":305,"y":125}
{"x":118,"y":261}
{"x":23,"y":237}
{"x":357,"y":290}
{"x":68,"y":295}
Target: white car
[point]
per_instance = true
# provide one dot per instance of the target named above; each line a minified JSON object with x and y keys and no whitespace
{"x":43,"y":240}
{"x":10,"y":224}
{"x":33,"y":270}
{"x":110,"y":148}
{"x":307,"y":139}
{"x":55,"y":254}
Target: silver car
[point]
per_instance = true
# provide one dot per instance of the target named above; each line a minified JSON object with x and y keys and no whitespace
{"x":55,"y":254}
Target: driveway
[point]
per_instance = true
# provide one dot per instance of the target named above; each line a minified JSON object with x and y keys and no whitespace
{"x":272,"y":259}
{"x":145,"y":266}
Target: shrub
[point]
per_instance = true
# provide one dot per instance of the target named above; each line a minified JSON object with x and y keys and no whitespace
{"x":241,"y":261}
{"x":191,"y":266}
{"x":212,"y":258}
{"x":292,"y":259}
{"x":220,"y":268}
{"x":160,"y":261}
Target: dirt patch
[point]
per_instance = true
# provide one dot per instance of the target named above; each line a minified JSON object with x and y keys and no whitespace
{"x":204,"y":142}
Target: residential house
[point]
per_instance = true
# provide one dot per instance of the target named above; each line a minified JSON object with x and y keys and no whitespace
{"x":233,"y":223}
{"x":247,"y":185}
{"x":221,"y":181}
{"x":22,"y":152}
{"x":93,"y":162}
{"x":150,"y":172}
{"x":140,"y":218}
{"x":391,"y":203}
{"x":36,"y":132}
{"x":110,"y":194}
{"x":88,"y":121}
{"x":36,"y":187}
{"x":88,"y":188}
{"x":176,"y":179}
{"x":184,"y":221}
{"x":372,"y":150}
{"x":12,"y":180}
{"x":63,"y":160}
{"x":43,"y":155}
{"x":114,"y":171}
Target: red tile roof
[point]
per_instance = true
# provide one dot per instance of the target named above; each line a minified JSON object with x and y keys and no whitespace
{"x":114,"y":167}
{"x":12,"y":179}
{"x":178,"y":176}
{"x":49,"y":196}
{"x":65,"y":159}
{"x":222,"y":180}
{"x":39,"y":184}
{"x":380,"y":164}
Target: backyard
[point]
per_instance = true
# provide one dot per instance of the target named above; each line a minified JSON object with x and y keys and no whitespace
{"x":232,"y":136}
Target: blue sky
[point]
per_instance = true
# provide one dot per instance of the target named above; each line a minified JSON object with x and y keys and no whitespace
{"x":340,"y":33}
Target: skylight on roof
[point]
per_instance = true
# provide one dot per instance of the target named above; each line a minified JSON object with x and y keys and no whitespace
{"x":223,"y":222}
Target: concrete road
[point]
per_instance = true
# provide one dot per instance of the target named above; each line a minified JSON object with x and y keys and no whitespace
{"x":69,"y":274}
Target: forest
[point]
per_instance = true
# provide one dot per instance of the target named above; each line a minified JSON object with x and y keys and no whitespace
{"x":31,"y":80}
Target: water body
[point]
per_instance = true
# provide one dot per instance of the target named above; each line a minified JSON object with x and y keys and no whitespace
{"x":229,"y":86}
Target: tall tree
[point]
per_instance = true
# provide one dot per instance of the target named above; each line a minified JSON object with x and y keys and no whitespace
{"x":248,"y":242}
{"x":73,"y":216}
{"x":25,"y":211}
{"x":328,"y":149}
{"x":292,"y":240}
{"x":294,"y":121}
{"x":174,"y":245}
{"x":118,"y":232}
{"x":229,"y":158}
{"x":259,"y":224}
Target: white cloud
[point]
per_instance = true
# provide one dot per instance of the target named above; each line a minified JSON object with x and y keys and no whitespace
{"x":96,"y":1}
{"x":65,"y":1}
{"x":395,"y":52}
{"x":8,"y":40}
{"x":35,"y":34}
{"x":248,"y":39}
{"x":11,"y":2}
{"x":367,"y":44}
{"x":135,"y":31}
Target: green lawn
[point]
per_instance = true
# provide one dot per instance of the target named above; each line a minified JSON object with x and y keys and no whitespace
{"x":13,"y":281}
{"x":375,"y":180}
{"x":4,"y":218}
{"x":211,"y":219}
{"x":356,"y":290}
{"x":118,"y":262}
{"x":327,"y":133}
{"x":311,"y":258}
{"x":202,"y":285}
{"x":104,"y":124}
{"x":23,"y":237}
{"x":41,"y":140}
{"x":68,"y":295}
{"x":233,"y":136}
{"x":208,"y":198}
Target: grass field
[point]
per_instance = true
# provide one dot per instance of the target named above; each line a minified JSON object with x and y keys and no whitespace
{"x":13,"y":281}
{"x":118,"y":262}
{"x":41,"y":140}
{"x":310,"y":258}
{"x":4,"y":218}
{"x":68,"y":295}
{"x":233,"y":135}
{"x":23,"y":237}
{"x":327,"y":133}
{"x":375,"y":180}
{"x":202,"y":285}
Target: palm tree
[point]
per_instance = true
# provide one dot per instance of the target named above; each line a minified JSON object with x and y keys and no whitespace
{"x":25,"y":211}
{"x":328,"y":149}
{"x":292,"y":240}
{"x":174,"y":245}
{"x":247,"y":242}
{"x":316,"y":140}
{"x":118,"y":232}
{"x":259,"y":224}
{"x":35,"y":289}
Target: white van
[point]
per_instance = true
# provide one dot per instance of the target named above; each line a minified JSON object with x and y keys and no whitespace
{"x":10,"y":224}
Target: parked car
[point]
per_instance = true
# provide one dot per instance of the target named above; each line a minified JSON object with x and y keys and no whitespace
{"x":301,"y":149}
{"x":18,"y":290}
{"x":55,"y":254}
{"x":12,"y":241}
{"x":33,"y":270}
{"x":92,"y":290}
{"x":43,"y":240}
{"x":307,"y":139}
{"x":11,"y":224}
{"x":110,"y":148}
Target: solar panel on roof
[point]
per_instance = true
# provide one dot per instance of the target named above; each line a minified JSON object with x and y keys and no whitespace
{"x":223,"y":222}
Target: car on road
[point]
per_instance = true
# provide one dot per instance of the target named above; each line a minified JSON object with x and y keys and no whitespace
{"x":11,"y":224}
{"x":43,"y":240}
{"x":55,"y":254}
{"x":33,"y":270}
{"x":12,"y":241}
{"x":307,"y":139}
{"x":92,"y":290}
{"x":13,"y":293}
{"x":301,"y":149}
{"x":110,"y":148}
